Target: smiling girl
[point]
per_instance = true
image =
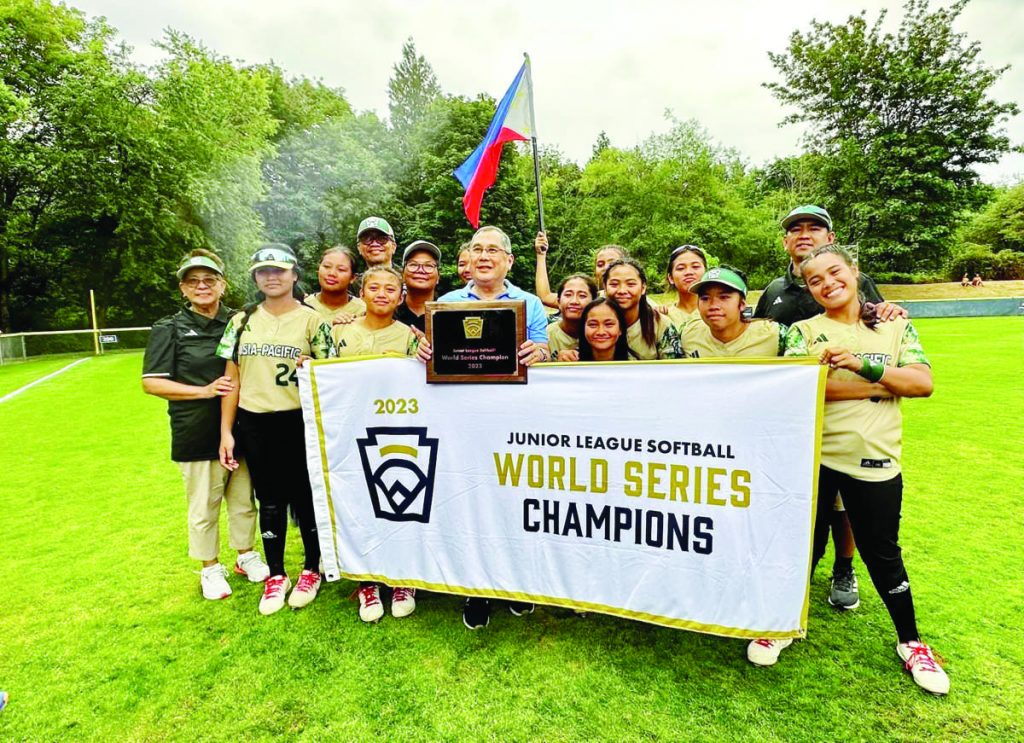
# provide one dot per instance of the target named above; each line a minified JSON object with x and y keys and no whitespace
{"x":377,"y":332}
{"x":602,"y":332}
{"x":574,"y":293}
{"x":649,"y":333}
{"x":872,"y":366}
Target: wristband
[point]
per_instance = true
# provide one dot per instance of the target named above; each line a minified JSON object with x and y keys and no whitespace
{"x":871,"y":371}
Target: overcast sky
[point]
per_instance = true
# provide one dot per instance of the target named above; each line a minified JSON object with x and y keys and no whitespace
{"x":598,"y":65}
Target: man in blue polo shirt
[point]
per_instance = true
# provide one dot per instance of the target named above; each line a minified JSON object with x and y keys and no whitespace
{"x":490,"y":258}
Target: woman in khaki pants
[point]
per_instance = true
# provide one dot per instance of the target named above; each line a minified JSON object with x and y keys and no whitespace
{"x":182,"y":367}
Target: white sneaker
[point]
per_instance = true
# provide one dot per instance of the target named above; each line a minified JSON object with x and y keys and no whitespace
{"x":765,"y":652}
{"x":403,"y":602}
{"x":273,"y":594}
{"x":926,"y":671}
{"x":251,"y":565}
{"x":214,"y":580}
{"x":305,"y":589}
{"x":370,"y":607}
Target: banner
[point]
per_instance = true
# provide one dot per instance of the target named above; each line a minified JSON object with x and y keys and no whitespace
{"x":674,"y":492}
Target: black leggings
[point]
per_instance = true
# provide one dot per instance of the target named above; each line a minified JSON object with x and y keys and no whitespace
{"x":874,"y":511}
{"x":275,"y":449}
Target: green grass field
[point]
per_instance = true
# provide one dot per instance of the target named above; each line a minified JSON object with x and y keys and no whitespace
{"x":105,"y":636}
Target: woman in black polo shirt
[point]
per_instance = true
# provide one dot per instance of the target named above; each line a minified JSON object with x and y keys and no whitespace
{"x":182,"y":367}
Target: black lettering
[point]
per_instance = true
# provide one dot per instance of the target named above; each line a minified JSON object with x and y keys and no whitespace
{"x":527,"y":524}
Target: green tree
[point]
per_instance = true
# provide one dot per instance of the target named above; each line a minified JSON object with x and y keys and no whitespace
{"x":673,"y":189}
{"x":412,"y":89}
{"x":1000,"y":225}
{"x":901,"y":122}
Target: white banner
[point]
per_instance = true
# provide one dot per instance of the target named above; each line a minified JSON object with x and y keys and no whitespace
{"x":674,"y":492}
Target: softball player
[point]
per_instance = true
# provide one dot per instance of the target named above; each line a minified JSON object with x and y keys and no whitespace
{"x":649,"y":333}
{"x":721,"y":296}
{"x":262,"y":346}
{"x":872,"y":365}
{"x":378,"y":332}
{"x":602,"y":332}
{"x":335,"y":274}
{"x":686,"y":265}
{"x":574,"y":293}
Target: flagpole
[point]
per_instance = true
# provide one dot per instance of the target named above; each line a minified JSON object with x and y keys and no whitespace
{"x":533,"y":141}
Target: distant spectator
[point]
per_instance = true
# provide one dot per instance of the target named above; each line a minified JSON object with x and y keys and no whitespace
{"x":976,"y":281}
{"x":965,"y":281}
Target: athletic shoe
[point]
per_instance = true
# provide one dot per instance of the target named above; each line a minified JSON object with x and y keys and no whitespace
{"x":251,"y":565}
{"x":520,"y":608}
{"x":214,"y":580}
{"x":3,"y":700}
{"x":305,"y":589}
{"x":476,"y":614}
{"x":844,"y":594}
{"x":273,"y":594}
{"x":765,"y":652}
{"x":370,"y":607}
{"x":928,"y":674}
{"x":403,"y":602}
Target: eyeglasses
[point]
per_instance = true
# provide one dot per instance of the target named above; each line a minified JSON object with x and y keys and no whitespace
{"x":421,"y":267}
{"x":489,"y":252}
{"x":378,"y":238}
{"x":196,"y":281}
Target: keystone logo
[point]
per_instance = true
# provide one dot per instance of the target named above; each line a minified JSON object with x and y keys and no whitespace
{"x":398,"y":464}
{"x":473,"y":327}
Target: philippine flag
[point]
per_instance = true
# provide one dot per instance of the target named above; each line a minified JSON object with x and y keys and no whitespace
{"x":512,"y":121}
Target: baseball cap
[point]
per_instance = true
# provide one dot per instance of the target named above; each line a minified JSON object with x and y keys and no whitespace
{"x":197,"y":261}
{"x":421,"y":245}
{"x":375,"y":223}
{"x":808,"y":211}
{"x":273,"y":255}
{"x":723,"y":276}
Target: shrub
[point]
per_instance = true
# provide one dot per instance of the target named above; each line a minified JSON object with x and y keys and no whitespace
{"x":1009,"y":265}
{"x":903,"y":277}
{"x":970,"y":259}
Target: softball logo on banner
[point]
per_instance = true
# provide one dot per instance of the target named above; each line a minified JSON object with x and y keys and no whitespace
{"x":398,"y":464}
{"x":679,"y":493}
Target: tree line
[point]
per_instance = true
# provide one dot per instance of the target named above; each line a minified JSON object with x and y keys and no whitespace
{"x":110,"y":171}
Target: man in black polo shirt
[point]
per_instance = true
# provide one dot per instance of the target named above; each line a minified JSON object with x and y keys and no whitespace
{"x":182,"y":367}
{"x":786,"y":300}
{"x":420,"y":263}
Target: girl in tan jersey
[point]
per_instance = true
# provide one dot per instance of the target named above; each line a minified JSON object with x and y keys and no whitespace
{"x":649,"y":333}
{"x":721,"y":329}
{"x":686,"y":266}
{"x":335,"y":274}
{"x":262,"y":347}
{"x":377,"y":332}
{"x":872,"y":365}
{"x":574,"y":293}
